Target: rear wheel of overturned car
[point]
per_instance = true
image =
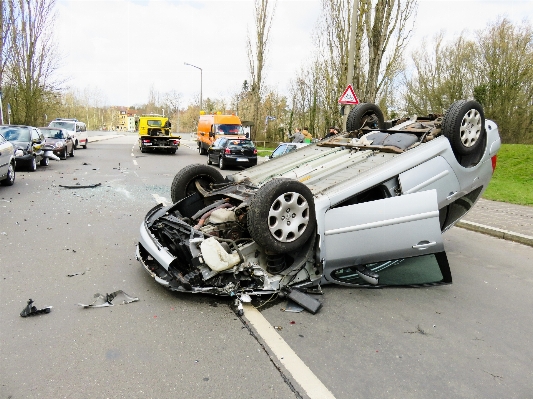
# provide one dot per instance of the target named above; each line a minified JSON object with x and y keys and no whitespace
{"x":10,"y":178}
{"x":185,"y":181}
{"x":365,"y":115}
{"x":464,"y":126}
{"x":281,"y":215}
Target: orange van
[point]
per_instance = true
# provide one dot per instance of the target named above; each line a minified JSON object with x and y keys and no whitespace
{"x":211,"y":127}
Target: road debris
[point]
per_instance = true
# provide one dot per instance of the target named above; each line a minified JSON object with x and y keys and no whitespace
{"x":78,"y":185}
{"x":292,"y":307}
{"x":31,"y":310}
{"x":107,"y":300}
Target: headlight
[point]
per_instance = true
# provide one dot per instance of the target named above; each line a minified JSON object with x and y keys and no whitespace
{"x":58,"y":144}
{"x":19,"y":153}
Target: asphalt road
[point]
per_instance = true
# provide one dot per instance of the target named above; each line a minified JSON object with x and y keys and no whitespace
{"x":468,"y":340}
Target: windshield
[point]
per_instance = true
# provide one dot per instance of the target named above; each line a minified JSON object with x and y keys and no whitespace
{"x":52,"y":133}
{"x":228,"y":129}
{"x":64,"y":125}
{"x":15,"y":133}
{"x":282,"y":149}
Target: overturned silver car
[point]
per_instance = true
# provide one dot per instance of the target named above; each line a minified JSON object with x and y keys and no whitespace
{"x":364,"y":208}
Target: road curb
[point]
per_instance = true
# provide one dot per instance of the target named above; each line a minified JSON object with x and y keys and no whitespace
{"x":495,"y":232}
{"x":95,"y":139}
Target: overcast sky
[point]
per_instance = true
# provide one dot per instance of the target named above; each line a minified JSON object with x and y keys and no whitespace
{"x":125,"y":47}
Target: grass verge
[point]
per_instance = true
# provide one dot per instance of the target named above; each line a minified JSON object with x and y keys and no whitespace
{"x":513,"y":178}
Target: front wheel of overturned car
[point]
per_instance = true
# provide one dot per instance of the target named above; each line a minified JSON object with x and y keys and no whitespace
{"x":464,"y":125}
{"x":10,"y":178}
{"x":281,"y":215}
{"x":184,"y":183}
{"x":365,"y":115}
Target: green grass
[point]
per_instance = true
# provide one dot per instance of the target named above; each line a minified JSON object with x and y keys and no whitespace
{"x":264,"y":151}
{"x":513,"y":179}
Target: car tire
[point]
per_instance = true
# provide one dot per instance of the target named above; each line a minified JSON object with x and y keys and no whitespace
{"x":76,"y":145}
{"x":143,"y":150}
{"x":172,"y":151}
{"x":221,"y":163}
{"x":10,"y":178}
{"x":464,"y":126}
{"x":365,"y":115}
{"x":32,"y":166}
{"x":209,"y":160}
{"x":184,"y":183}
{"x":64,"y":154}
{"x":272,"y":209}
{"x":202,"y":150}
{"x":44,"y":161}
{"x":85,"y":145}
{"x":72,"y":151}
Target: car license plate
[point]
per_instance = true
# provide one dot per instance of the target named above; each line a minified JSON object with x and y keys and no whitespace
{"x":242,"y":159}
{"x":147,"y":143}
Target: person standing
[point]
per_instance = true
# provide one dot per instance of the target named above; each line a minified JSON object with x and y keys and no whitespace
{"x":307,"y":136}
{"x":297,"y":137}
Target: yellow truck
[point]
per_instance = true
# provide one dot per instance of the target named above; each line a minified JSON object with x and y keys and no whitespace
{"x":211,"y":127}
{"x":154,"y":134}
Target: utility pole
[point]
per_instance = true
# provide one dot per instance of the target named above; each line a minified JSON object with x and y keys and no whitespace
{"x":351,"y":52}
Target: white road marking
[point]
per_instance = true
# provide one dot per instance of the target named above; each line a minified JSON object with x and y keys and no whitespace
{"x":161,"y":200}
{"x":135,"y":162}
{"x":299,"y":371}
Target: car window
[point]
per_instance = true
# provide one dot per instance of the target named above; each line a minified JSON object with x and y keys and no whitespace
{"x":16,"y":134}
{"x":64,"y":125}
{"x":240,"y":144}
{"x":217,"y":142}
{"x":153,"y":122}
{"x":279,"y":151}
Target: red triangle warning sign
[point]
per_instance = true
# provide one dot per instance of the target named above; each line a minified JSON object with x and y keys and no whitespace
{"x":349,"y":97}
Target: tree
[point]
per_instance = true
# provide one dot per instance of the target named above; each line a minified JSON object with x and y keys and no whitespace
{"x":29,"y":73}
{"x":263,"y":15}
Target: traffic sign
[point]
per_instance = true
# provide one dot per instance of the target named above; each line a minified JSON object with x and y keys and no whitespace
{"x":349,"y":97}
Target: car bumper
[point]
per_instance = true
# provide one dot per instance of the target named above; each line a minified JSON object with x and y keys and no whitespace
{"x":243,"y":161}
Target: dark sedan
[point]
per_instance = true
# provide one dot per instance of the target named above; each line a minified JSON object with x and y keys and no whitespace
{"x":59,"y":141}
{"x":27,"y":142}
{"x":227,"y":151}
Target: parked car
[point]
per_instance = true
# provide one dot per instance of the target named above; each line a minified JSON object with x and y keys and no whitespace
{"x":7,"y":162}
{"x":227,"y":151}
{"x":285,"y":148}
{"x":28,"y":144}
{"x":58,"y":141}
{"x":365,"y":208}
{"x":76,"y":129}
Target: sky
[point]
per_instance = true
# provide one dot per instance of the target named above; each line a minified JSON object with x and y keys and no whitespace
{"x":124,"y":48}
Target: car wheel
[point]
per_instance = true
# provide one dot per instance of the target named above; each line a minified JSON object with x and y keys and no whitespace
{"x":184,"y":183}
{"x":64,"y":154}
{"x":32,"y":165}
{"x":172,"y":151}
{"x":85,"y":145}
{"x":221,"y":163}
{"x":202,"y":150}
{"x":281,"y":215}
{"x":45,"y":162}
{"x":143,"y":150}
{"x":464,"y":125}
{"x":209,"y":160}
{"x":76,"y":145}
{"x":10,"y":178}
{"x":72,"y":151}
{"x":365,"y":115}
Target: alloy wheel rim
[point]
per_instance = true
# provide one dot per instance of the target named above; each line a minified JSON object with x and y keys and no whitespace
{"x":288,"y":217}
{"x":470,"y":128}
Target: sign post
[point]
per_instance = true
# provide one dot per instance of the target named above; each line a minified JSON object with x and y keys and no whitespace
{"x":347,"y":98}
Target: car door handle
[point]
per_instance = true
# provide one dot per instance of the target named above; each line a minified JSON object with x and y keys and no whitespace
{"x":424,"y":245}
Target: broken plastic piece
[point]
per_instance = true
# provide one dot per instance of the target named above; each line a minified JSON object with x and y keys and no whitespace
{"x":31,"y":310}
{"x":107,"y":300}
{"x":307,"y":302}
{"x":293,"y":307}
{"x":82,"y":186}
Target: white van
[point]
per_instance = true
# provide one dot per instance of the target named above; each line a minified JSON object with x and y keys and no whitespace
{"x":76,"y":129}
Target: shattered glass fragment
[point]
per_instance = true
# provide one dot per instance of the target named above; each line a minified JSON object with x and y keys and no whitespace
{"x":107,"y":299}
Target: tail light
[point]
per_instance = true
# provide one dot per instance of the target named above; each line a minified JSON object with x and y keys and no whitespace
{"x":255,"y":151}
{"x":146,"y":141}
{"x":227,"y":151}
{"x":494,"y":159}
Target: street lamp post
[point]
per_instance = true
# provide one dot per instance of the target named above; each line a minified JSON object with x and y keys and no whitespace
{"x":201,"y":78}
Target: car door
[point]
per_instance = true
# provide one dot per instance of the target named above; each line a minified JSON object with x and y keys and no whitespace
{"x":5,"y":155}
{"x":386,"y":229}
